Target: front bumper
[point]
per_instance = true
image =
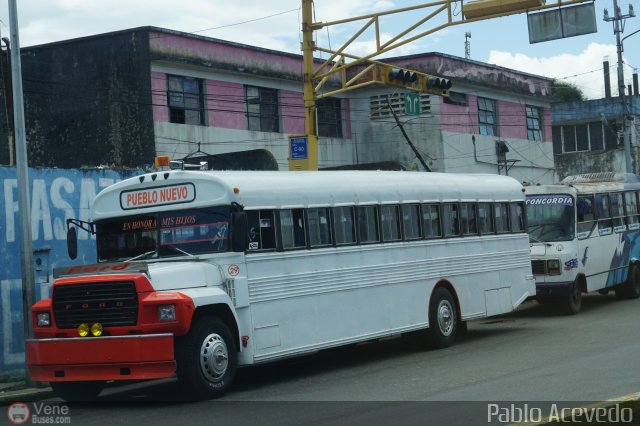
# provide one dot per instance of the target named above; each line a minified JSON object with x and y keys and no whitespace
{"x":137,"y":357}
{"x":552,"y":290}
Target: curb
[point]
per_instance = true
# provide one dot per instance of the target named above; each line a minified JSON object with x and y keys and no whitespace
{"x":25,"y":395}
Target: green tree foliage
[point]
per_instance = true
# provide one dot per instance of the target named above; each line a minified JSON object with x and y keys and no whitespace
{"x":567,"y":92}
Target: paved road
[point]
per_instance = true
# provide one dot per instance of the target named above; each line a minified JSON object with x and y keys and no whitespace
{"x":533,"y":354}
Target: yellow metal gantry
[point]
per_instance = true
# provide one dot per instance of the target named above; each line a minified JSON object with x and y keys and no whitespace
{"x":339,"y":62}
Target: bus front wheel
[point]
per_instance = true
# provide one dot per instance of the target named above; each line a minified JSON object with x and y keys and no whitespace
{"x":631,"y":288}
{"x":573,"y":303}
{"x":443,"y":319}
{"x":207,"y":359}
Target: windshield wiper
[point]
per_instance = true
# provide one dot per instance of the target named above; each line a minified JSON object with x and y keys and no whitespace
{"x":143,"y":255}
{"x":179,"y":250}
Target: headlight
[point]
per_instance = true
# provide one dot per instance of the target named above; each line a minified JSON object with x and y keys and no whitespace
{"x":553,"y":267}
{"x":44,"y":319}
{"x":166,"y":313}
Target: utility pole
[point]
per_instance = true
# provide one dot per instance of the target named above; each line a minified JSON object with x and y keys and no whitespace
{"x":308,"y":92}
{"x":618,"y":28}
{"x":5,"y":69}
{"x":26,"y":244}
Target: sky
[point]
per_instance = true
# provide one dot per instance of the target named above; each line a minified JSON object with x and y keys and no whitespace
{"x":275,"y":24}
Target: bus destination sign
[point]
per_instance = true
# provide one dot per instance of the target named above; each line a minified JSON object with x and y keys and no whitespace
{"x":158,"y":196}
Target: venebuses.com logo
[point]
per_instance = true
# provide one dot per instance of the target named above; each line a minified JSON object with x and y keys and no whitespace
{"x":20,"y":413}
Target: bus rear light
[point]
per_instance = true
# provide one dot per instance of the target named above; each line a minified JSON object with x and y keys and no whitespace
{"x":553,"y":267}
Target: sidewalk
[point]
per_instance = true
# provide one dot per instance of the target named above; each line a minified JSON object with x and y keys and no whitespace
{"x":18,"y":391}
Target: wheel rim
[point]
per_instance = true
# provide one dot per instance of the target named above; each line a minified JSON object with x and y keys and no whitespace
{"x":214,"y":357}
{"x":445,"y":317}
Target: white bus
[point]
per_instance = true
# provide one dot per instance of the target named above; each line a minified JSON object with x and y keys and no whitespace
{"x":200,"y":272}
{"x":583,"y":237}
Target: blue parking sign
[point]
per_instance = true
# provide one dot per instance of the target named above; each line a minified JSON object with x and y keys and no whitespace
{"x":298,"y":148}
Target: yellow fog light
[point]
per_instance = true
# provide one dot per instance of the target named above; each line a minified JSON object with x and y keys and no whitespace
{"x":83,"y":330}
{"x":96,"y":329}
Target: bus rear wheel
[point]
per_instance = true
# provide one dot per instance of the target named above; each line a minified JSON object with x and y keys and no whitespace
{"x":443,"y":319}
{"x":207,"y":359}
{"x":631,"y":288}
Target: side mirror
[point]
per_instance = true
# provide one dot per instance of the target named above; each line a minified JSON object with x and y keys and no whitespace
{"x":72,"y":242}
{"x":239,"y":241}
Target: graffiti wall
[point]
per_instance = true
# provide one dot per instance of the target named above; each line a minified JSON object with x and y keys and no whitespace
{"x":55,"y":196}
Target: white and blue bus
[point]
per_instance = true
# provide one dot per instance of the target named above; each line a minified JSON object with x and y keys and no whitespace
{"x":200,"y":272}
{"x":584,"y":235}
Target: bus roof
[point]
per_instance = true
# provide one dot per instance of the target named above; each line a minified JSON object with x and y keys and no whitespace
{"x":601,"y":178}
{"x":283,"y":189}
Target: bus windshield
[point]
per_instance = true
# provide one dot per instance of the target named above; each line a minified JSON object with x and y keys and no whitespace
{"x":165,"y":234}
{"x":550,"y":218}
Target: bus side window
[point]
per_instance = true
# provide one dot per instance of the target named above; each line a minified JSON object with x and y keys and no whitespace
{"x":631,"y":206}
{"x":517,"y":217}
{"x":343,"y":224}
{"x":390,"y":218}
{"x":484,"y":218}
{"x":603,"y":213}
{"x":292,"y":228}
{"x":319,"y":234}
{"x":368,"y":224}
{"x":261,"y":229}
{"x":411,"y":221}
{"x":586,"y":216}
{"x":431,"y":220}
{"x":451,"y":219}
{"x":501,"y":211}
{"x":617,"y":211}
{"x":468,"y":218}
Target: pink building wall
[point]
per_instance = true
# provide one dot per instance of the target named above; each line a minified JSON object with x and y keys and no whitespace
{"x":226,"y":105}
{"x":159,"y":97}
{"x":460,"y":118}
{"x":512,"y":120}
{"x":292,"y":112}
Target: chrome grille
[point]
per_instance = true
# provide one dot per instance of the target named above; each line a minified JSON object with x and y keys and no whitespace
{"x":110,"y":304}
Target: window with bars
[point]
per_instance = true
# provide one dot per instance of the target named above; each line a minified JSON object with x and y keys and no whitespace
{"x":487,"y":117}
{"x":329,"y":113}
{"x":379,"y":104}
{"x":262,"y":109}
{"x":534,"y":123}
{"x":186,"y":100}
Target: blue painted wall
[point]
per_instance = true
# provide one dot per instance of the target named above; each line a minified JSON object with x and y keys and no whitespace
{"x":55,"y":195}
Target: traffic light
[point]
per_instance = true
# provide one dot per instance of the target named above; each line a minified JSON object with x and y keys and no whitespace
{"x":436,"y":85}
{"x":400,"y":77}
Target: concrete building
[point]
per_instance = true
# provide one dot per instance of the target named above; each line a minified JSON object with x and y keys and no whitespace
{"x":588,"y":136}
{"x":120,"y":98}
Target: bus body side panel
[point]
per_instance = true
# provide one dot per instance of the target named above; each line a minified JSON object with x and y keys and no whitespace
{"x":350,"y":294}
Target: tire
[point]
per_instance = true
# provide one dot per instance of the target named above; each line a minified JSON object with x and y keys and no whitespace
{"x":77,"y":391}
{"x":207,"y":359}
{"x":443,"y":319}
{"x":573,"y":302}
{"x":631,"y":288}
